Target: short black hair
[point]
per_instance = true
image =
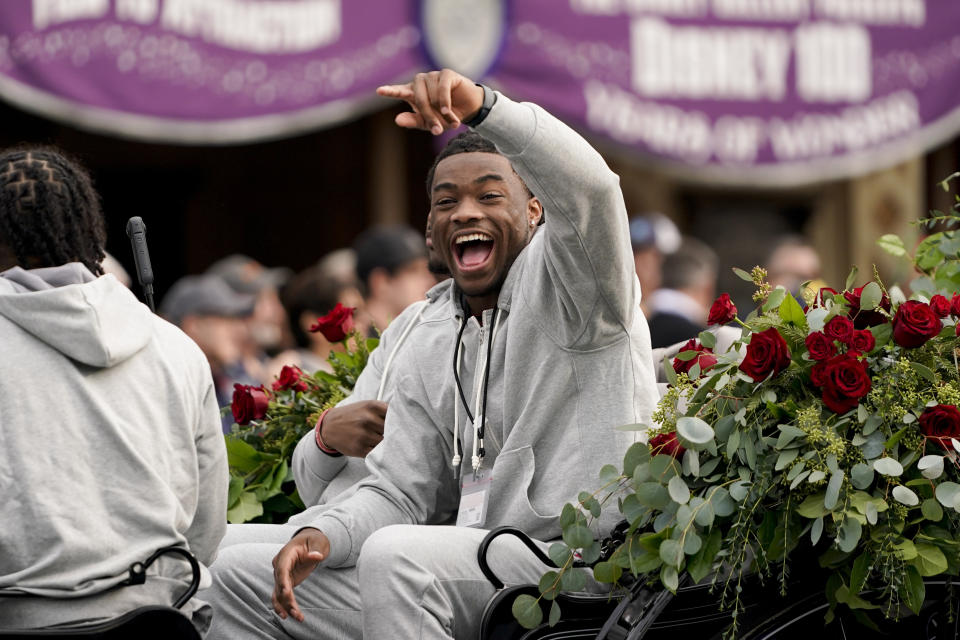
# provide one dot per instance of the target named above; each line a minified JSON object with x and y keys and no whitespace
{"x":467,"y":142}
{"x":49,"y":212}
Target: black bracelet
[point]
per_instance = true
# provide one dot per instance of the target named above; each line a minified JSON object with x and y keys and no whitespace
{"x":489,"y":99}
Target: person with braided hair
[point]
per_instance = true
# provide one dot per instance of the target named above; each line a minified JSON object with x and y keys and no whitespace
{"x":71,"y":228}
{"x":110,"y":430}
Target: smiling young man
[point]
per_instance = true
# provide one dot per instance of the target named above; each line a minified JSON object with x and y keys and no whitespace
{"x":506,"y":406}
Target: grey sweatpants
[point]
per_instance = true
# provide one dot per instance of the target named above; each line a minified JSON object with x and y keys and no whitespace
{"x":410,"y":582}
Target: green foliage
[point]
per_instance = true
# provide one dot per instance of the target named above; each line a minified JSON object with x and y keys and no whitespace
{"x":768,"y":470}
{"x":259,"y":454}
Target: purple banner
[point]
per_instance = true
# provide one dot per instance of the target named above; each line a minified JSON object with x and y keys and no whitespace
{"x":203,"y":71}
{"x":776,"y":92}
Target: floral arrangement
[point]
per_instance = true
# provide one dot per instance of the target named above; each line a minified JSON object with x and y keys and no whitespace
{"x":270,"y":423}
{"x":830,"y":429}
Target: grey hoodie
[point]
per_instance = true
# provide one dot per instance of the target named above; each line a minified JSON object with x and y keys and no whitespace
{"x":570,"y":361}
{"x":110,"y":446}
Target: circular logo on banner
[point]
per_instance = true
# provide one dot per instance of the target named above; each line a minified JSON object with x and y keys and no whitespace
{"x":464,"y":35}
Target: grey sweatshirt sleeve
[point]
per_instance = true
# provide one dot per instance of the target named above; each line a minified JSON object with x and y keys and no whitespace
{"x":209,"y":522}
{"x":410,"y":481}
{"x":583,"y":272}
{"x":313,"y":470}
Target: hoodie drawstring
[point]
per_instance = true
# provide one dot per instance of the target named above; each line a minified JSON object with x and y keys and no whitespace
{"x":396,"y":348}
{"x":479,"y":417}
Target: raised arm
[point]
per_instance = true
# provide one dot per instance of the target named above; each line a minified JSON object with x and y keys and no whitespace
{"x":579,"y":267}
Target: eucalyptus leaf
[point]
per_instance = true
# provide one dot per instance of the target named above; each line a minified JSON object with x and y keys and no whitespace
{"x":849,"y":535}
{"x":903,"y":495}
{"x":723,"y":504}
{"x":800,"y":478}
{"x":743,"y":275}
{"x":694,"y":431}
{"x":554,"y":616}
{"x":931,"y":510}
{"x":785,"y":458}
{"x":871,"y":512}
{"x":816,"y":476}
{"x":738,"y":490}
{"x":870,"y":296}
{"x":691,"y":543}
{"x":670,"y":578}
{"x":851,"y":278}
{"x":888,"y":467}
{"x":833,"y":490}
{"x":948,"y":494}
{"x":774,"y":299}
{"x":652,"y":494}
{"x":671,"y":552}
{"x":892,"y":244}
{"x":931,"y":466}
{"x":816,"y":530}
{"x":573,"y":580}
{"x":704,"y":514}
{"x":691,"y":463}
{"x":707,"y":339}
{"x":679,"y":492}
{"x":526,"y":610}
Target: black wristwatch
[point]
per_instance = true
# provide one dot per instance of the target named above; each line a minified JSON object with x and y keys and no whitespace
{"x":489,"y":99}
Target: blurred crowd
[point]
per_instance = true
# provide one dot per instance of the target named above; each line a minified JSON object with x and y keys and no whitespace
{"x":250,"y":319}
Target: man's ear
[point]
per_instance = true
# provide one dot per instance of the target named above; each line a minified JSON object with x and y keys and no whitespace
{"x":534,"y":211}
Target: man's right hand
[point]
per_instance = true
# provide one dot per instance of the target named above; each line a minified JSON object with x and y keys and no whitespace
{"x":296,"y":560}
{"x":354,"y":429}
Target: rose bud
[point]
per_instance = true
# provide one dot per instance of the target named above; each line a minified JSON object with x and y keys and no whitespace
{"x":290,"y":379}
{"x":722,"y":310}
{"x":336,"y":325}
{"x":249,"y":403}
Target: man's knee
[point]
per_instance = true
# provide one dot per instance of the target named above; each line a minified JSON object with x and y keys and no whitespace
{"x":388,"y":547}
{"x":242,"y":566}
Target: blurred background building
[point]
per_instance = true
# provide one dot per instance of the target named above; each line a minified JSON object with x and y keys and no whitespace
{"x":250,"y":126}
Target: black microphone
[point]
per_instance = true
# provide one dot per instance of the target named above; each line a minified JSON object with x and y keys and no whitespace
{"x":137,"y":232}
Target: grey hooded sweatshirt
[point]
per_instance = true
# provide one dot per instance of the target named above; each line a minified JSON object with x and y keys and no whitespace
{"x":570,"y":361}
{"x":110,"y":448}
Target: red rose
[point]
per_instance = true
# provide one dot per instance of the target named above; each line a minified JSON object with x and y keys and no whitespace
{"x":767,"y":352}
{"x":820,"y":346}
{"x":940,"y":423}
{"x":863,"y":341}
{"x":818,"y":374}
{"x":290,"y":378}
{"x":336,"y":325}
{"x":704,"y":358}
{"x":844,"y":381}
{"x":940,"y":306}
{"x":864,"y":319}
{"x":722,"y":310}
{"x":840,"y":328}
{"x":955,"y":305}
{"x":666,"y":444}
{"x":249,"y":403}
{"x":914,"y":324}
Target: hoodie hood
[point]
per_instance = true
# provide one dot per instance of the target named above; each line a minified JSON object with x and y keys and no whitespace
{"x":96,"y":321}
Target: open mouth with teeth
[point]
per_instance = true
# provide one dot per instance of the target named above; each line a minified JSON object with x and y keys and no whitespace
{"x":472,"y":250}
